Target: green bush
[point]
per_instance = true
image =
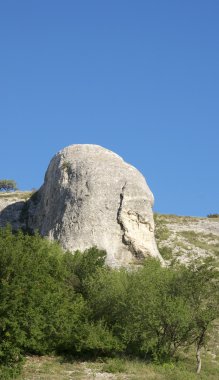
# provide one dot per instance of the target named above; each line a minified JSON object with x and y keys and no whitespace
{"x":154,"y":311}
{"x":106,"y":293}
{"x":51,"y":301}
{"x":213,"y":216}
{"x":171,"y":308}
{"x":38,"y":305}
{"x":8,"y":185}
{"x":82,"y":266}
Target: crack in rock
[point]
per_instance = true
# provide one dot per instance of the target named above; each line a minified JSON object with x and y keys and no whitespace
{"x":125,"y":238}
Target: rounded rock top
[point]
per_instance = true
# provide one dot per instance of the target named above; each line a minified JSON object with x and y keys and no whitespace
{"x":92,"y":197}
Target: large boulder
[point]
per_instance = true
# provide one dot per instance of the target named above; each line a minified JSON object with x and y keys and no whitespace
{"x":91,"y":197}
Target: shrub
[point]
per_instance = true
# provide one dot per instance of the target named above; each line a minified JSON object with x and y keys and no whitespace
{"x":37,"y":303}
{"x":169,"y":308}
{"x":213,"y":216}
{"x":106,"y":293}
{"x":82,"y":266}
{"x":54,"y":301}
{"x":8,"y":185}
{"x":42,"y":308}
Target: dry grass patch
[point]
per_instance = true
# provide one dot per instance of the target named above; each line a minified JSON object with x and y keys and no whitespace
{"x":55,"y":368}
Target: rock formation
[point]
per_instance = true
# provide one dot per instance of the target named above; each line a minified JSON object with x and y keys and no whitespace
{"x":91,"y":197}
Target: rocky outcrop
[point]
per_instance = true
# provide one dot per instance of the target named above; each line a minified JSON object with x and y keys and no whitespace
{"x":91,"y":197}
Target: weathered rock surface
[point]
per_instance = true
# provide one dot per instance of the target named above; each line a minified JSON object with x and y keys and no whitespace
{"x":91,"y":197}
{"x":181,"y":238}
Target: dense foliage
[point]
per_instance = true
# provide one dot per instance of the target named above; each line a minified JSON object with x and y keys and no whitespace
{"x":8,"y":185}
{"x":51,"y":301}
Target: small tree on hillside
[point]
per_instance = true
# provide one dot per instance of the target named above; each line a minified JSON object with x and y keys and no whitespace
{"x":8,"y":185}
{"x":200,"y":285}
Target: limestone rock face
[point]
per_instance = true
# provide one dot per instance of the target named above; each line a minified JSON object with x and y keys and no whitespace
{"x":91,"y":197}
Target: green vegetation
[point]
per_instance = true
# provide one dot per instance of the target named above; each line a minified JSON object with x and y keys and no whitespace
{"x":162,"y":234}
{"x":213,"y":216}
{"x":161,"y":230}
{"x":53,"y":302}
{"x":208,"y":242}
{"x":57,"y":368}
{"x":8,"y":185}
{"x":184,"y":239}
{"x":20,"y":196}
{"x":166,"y":252}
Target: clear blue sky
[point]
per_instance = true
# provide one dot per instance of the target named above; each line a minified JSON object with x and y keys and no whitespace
{"x":139,"y":77}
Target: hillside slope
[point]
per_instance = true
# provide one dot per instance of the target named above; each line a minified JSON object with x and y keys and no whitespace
{"x":184,"y":238}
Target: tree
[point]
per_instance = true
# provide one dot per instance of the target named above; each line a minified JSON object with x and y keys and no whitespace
{"x":8,"y":185}
{"x":82,"y":265}
{"x":169,"y":308}
{"x":200,"y":285}
{"x":106,"y":294}
{"x":51,"y":301}
{"x":39,"y":310}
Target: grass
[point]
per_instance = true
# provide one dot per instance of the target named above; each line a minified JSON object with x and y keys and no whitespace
{"x":184,"y":243}
{"x":208,"y":242}
{"x":23,"y":195}
{"x":115,"y":365}
{"x":161,"y":231}
{"x":172,"y":218}
{"x":51,"y":368}
{"x":166,"y":252}
{"x":56,"y":368}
